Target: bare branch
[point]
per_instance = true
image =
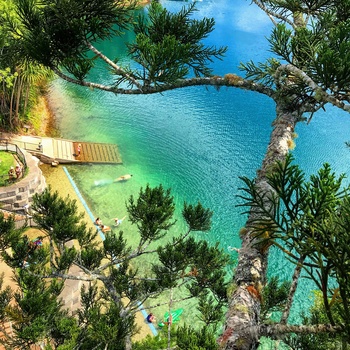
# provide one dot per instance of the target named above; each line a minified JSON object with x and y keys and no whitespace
{"x":320,"y":93}
{"x":229,"y":80}
{"x":292,"y":290}
{"x":116,"y":68}
{"x":272,"y":14}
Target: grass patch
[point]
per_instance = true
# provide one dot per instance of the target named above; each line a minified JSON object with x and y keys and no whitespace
{"x":6,"y":161}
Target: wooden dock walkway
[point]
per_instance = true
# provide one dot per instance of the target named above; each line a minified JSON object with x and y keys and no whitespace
{"x":64,"y":151}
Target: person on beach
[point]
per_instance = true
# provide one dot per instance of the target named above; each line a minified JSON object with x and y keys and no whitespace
{"x":123,"y":178}
{"x":119,"y":221}
{"x":105,"y":228}
{"x":78,"y":149}
{"x":18,"y":171}
{"x":98,"y":222}
{"x":151,"y":318}
{"x":12,"y":174}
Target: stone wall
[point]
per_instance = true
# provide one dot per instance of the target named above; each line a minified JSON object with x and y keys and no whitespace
{"x":20,"y":194}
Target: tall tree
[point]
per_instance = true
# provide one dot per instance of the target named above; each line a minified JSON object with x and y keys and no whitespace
{"x":308,"y":69}
{"x":309,"y":222}
{"x":19,"y":77}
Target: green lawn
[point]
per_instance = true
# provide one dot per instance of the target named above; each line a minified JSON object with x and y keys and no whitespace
{"x":6,"y":161}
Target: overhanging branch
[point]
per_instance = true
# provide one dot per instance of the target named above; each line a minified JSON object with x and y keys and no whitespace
{"x":229,"y":80}
{"x":320,"y":94}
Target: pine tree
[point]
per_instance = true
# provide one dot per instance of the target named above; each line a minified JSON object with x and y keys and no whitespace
{"x":113,"y":286}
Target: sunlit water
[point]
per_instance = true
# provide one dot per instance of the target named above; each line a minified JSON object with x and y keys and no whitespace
{"x":196,"y":141}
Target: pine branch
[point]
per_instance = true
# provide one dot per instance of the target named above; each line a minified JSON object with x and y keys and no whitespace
{"x":272,"y":14}
{"x":278,"y":329}
{"x":319,"y":94}
{"x":117,"y":69}
{"x":229,"y":80}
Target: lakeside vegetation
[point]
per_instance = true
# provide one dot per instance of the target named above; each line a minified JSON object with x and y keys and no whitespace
{"x":23,"y":82}
{"x":309,"y":217}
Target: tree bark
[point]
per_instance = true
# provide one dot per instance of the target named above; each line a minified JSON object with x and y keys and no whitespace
{"x":277,"y":329}
{"x":11,"y":101}
{"x":244,"y":304}
{"x":18,"y":99}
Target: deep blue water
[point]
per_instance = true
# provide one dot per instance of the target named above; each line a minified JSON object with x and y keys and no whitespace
{"x":196,"y":141}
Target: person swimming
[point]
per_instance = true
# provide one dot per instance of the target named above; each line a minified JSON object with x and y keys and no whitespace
{"x":151,"y":318}
{"x":118,"y":221}
{"x":123,"y":178}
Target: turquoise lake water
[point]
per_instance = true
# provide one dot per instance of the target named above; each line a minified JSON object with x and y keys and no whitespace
{"x":196,"y":141}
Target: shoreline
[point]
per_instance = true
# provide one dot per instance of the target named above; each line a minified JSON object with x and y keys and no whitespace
{"x":57,"y":178}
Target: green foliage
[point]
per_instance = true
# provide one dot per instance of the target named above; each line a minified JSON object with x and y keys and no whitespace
{"x":112,"y":284}
{"x":320,"y":341}
{"x":152,"y":212}
{"x":102,"y":323}
{"x":313,"y":37}
{"x":274,"y":296}
{"x":56,"y":33}
{"x":115,"y":246}
{"x":190,"y":339}
{"x":59,"y":217}
{"x":8,"y":233}
{"x":5,"y":298}
{"x":168,"y":45}
{"x":7,"y":77}
{"x":311,"y":219}
{"x":151,"y":343}
{"x":36,"y":312}
{"x":185,"y":338}
{"x":197,"y":217}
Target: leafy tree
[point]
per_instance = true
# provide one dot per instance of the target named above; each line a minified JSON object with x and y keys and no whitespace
{"x":113,"y":286}
{"x":308,"y":221}
{"x":20,"y":78}
{"x":307,"y":70}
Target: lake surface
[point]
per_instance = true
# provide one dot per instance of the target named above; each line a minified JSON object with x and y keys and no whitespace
{"x":196,"y":141}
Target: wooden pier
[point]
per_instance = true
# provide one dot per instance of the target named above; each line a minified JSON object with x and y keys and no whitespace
{"x":91,"y":152}
{"x":64,"y":151}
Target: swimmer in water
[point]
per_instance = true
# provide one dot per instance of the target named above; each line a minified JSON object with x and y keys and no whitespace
{"x":118,"y":221}
{"x":123,"y":178}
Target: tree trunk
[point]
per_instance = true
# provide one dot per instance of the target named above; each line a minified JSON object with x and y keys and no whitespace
{"x":170,"y":319}
{"x":18,"y":100}
{"x":11,"y":101}
{"x":27,"y":88}
{"x":244,"y":304}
